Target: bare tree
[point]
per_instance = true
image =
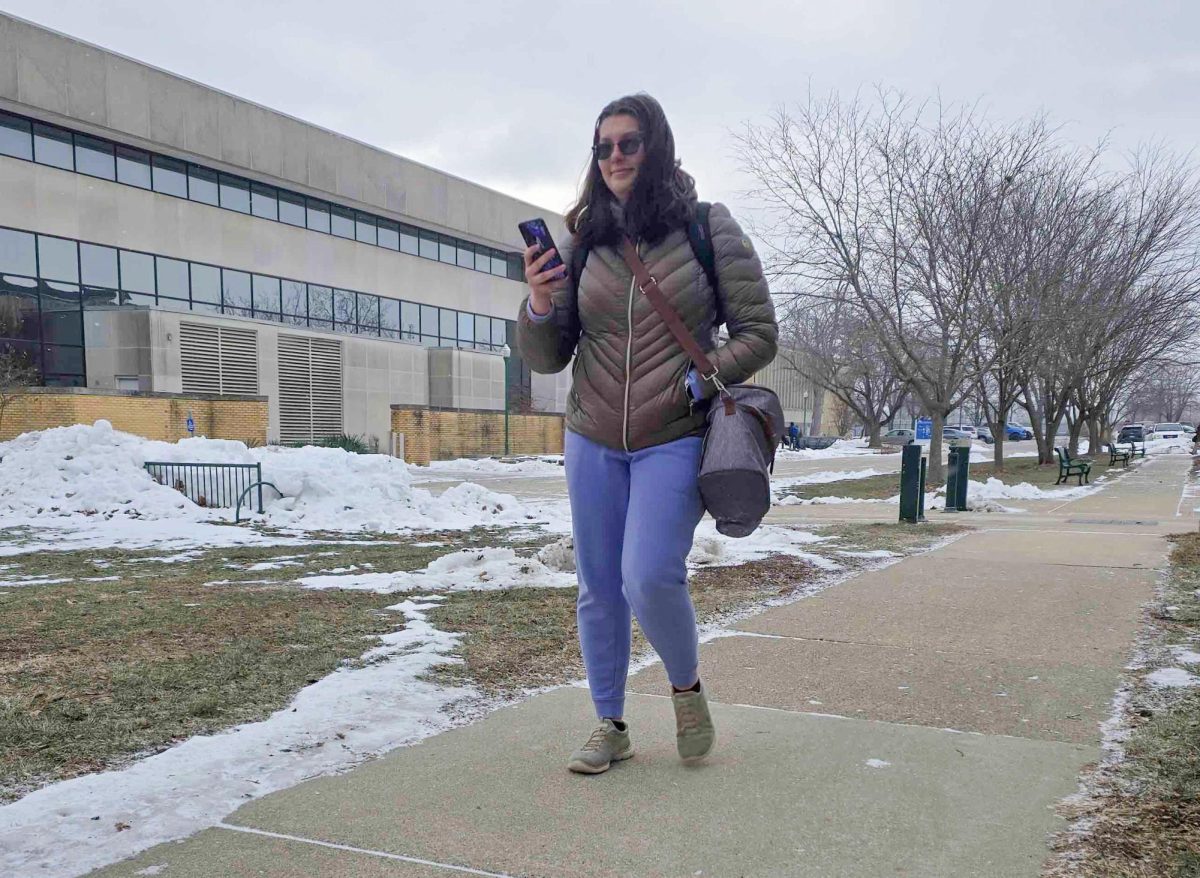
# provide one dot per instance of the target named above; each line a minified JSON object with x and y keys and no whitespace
{"x":830,"y":346}
{"x":17,"y":375}
{"x":890,"y":209}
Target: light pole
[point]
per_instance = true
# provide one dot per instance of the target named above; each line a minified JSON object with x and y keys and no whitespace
{"x":506,"y":352}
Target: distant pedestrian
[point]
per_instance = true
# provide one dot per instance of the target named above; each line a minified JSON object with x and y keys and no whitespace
{"x":794,"y":435}
{"x":1196,"y":442}
{"x":636,"y":414}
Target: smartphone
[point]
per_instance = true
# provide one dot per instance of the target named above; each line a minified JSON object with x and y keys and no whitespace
{"x":535,"y":232}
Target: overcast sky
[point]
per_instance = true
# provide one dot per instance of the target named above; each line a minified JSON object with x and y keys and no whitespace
{"x":506,"y":94}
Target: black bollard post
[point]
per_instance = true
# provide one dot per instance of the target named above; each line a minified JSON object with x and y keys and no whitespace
{"x":911,"y":477}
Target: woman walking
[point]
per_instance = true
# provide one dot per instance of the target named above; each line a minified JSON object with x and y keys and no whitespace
{"x":636,"y":411}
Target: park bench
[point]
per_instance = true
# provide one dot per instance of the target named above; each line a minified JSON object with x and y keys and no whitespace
{"x":1072,"y":466}
{"x":1134,"y":450}
{"x":1116,"y":455}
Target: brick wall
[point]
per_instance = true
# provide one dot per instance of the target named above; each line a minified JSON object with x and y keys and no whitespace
{"x":446,"y":434}
{"x":152,"y":415}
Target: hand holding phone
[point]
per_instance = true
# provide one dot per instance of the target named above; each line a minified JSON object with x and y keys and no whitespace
{"x":544,"y":268}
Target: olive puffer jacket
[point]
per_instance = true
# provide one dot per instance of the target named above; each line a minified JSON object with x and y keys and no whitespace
{"x":629,"y":373}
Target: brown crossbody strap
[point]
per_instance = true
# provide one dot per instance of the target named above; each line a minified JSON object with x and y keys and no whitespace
{"x":649,"y":288}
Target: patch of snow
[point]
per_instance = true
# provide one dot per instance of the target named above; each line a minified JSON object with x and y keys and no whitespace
{"x":156,"y":869}
{"x":275,"y":564}
{"x":468,"y":570}
{"x":540,"y":467}
{"x":877,"y":763}
{"x":840,"y":448}
{"x":713,"y":549}
{"x":35,"y":580}
{"x":559,"y":555}
{"x":1186,"y":656}
{"x":330,"y":726}
{"x":874,"y":553}
{"x":1172,"y":678}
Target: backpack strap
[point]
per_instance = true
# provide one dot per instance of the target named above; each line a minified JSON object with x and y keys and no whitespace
{"x":700,"y":237}
{"x":578,"y":260}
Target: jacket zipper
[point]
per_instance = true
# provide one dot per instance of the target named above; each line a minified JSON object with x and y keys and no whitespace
{"x":628,"y":360}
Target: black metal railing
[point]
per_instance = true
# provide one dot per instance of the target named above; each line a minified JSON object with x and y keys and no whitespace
{"x":210,"y":484}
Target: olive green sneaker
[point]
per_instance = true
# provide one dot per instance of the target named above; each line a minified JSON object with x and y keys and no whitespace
{"x":694,"y":732}
{"x":607,"y":745}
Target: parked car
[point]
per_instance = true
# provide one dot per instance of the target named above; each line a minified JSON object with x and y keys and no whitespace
{"x":969,"y":430}
{"x":900,"y":433}
{"x":1017,"y":432}
{"x":1169,"y":431}
{"x":1132,"y":433}
{"x":984,"y":432}
{"x":954,"y":433}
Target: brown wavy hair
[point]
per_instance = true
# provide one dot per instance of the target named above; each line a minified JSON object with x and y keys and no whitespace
{"x":663,"y":196}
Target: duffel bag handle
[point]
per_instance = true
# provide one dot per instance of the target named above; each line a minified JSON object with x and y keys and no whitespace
{"x":649,"y":287}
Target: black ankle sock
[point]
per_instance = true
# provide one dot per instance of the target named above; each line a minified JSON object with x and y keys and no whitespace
{"x":693,"y":688}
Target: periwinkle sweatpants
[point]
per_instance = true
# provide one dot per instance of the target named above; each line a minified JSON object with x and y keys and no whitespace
{"x":634,"y":516}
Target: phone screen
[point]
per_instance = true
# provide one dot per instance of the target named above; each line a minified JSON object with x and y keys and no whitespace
{"x":534,"y":231}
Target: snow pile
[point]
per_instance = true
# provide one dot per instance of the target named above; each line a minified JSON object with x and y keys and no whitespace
{"x":792,"y":500}
{"x":713,"y":549}
{"x":539,"y":467}
{"x":994,"y":489}
{"x":349,"y":716}
{"x":97,"y":471}
{"x":1182,"y":445}
{"x":840,"y":448}
{"x":559,"y":555}
{"x":468,"y":570}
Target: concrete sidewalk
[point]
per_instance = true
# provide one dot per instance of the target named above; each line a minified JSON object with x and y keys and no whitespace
{"x":920,"y":720}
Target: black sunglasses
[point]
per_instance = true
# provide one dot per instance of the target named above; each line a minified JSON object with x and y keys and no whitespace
{"x":628,"y":146}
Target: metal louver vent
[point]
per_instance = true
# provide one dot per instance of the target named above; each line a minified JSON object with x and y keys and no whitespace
{"x":310,"y":388}
{"x":218,"y":359}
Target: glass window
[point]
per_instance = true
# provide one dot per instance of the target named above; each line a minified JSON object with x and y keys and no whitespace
{"x":295,"y":300}
{"x":516,"y":267}
{"x":389,"y":318}
{"x":320,"y":306}
{"x":57,"y":259}
{"x":410,"y":320}
{"x":18,"y":310}
{"x":341,"y":221}
{"x":364,"y":228}
{"x":59,"y":358}
{"x":447,"y":252}
{"x":206,"y":287}
{"x":95,"y":157}
{"x":266,"y":297}
{"x":448,"y":324}
{"x":98,"y":265}
{"x":18,"y":253}
{"x":466,"y":255}
{"x":389,"y":234}
{"x":169,"y":176}
{"x":137,"y":272}
{"x":235,"y":293}
{"x":172,"y":278}
{"x":318,"y":215}
{"x":483,"y":332}
{"x":52,"y":146}
{"x":16,"y":137}
{"x":98,"y":297}
{"x":235,"y":193}
{"x":409,"y":242}
{"x":202,"y":185}
{"x":62,"y":319}
{"x":291,"y":208}
{"x":466,"y":329}
{"x":499,"y":264}
{"x":429,"y":244}
{"x":483,"y":259}
{"x":368,"y":314}
{"x":343,"y":307}
{"x":263,"y":201}
{"x":499,"y":332}
{"x":133,"y":167}
{"x":429,"y":320}
{"x":64,"y":381}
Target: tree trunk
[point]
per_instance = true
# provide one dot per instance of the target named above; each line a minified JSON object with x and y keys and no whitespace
{"x":936,"y":473}
{"x":1074,"y":429}
{"x":818,"y":404}
{"x":1095,"y":436}
{"x":874,"y":431}
{"x":998,"y":448}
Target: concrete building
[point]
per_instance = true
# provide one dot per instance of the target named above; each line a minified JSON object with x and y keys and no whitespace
{"x":160,"y":235}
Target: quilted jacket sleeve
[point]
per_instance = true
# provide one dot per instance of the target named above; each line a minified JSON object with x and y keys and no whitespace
{"x":745,"y":302}
{"x":548,"y":345}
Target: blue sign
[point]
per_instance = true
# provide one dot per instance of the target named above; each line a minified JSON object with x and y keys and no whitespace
{"x":924,"y":428}
{"x":191,"y":425}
